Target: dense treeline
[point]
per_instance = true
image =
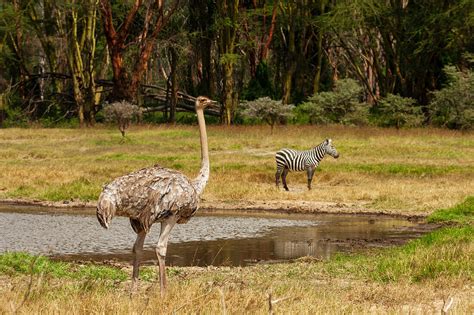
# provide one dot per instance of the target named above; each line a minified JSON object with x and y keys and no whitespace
{"x":392,"y":62}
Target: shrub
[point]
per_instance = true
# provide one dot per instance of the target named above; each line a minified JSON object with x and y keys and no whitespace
{"x":394,"y":110}
{"x":268,"y":110}
{"x":339,"y":106}
{"x":452,"y":106}
{"x":122,"y":113}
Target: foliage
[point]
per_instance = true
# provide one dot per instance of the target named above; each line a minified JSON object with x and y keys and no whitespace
{"x":339,"y":106}
{"x":233,"y":51}
{"x":122,"y":113}
{"x":394,"y":110}
{"x":268,"y":110}
{"x":260,"y":85}
{"x":453,"y":105}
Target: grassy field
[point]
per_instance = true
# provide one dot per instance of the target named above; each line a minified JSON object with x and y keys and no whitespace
{"x":407,"y":172}
{"x":423,"y":276}
{"x":398,"y":171}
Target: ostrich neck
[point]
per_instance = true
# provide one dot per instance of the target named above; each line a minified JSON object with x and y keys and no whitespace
{"x":201,"y":180}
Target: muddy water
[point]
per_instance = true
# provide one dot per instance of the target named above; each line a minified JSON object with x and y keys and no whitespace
{"x":205,"y":240}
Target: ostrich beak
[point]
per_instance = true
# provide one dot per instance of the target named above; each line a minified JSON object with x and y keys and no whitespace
{"x":214,"y":105}
{"x":103,"y":221}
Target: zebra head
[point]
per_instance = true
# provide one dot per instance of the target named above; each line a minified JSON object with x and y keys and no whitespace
{"x":330,"y":149}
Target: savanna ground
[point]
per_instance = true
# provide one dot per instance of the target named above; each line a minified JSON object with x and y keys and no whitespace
{"x":404,"y":172}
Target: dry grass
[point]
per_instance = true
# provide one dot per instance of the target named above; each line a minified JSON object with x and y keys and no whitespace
{"x":298,"y":288}
{"x":409,"y":171}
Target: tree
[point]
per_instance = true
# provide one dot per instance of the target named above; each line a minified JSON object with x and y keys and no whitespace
{"x":121,"y":113}
{"x":258,"y":22}
{"x":339,"y":106}
{"x":268,"y":110}
{"x":399,"y":47}
{"x":453,"y":105}
{"x":152,"y":16}
{"x":80,"y":22}
{"x":202,"y":33}
{"x":394,"y":110}
{"x":227,"y":22}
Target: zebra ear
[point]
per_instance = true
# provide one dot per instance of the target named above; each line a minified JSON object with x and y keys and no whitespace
{"x":327,"y":141}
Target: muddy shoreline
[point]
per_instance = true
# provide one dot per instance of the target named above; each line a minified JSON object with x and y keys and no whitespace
{"x":234,"y":207}
{"x":301,"y":210}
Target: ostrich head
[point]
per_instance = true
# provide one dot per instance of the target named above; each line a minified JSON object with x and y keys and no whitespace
{"x":202,"y":102}
{"x":330,"y":149}
{"x":105,"y":210}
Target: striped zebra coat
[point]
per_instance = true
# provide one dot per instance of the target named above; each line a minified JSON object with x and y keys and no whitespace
{"x":293,"y":160}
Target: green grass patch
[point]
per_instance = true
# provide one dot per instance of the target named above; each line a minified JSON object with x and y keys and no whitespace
{"x":127,"y":157}
{"x":80,"y":188}
{"x":462,"y":213}
{"x":17,"y":263}
{"x":177,"y":134}
{"x":445,"y":252}
{"x":401,"y":169}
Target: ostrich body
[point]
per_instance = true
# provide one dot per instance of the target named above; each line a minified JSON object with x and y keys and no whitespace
{"x":156,"y":194}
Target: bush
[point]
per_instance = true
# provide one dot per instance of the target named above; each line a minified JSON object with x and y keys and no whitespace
{"x":452,"y":106}
{"x":122,"y":113}
{"x":394,"y":110}
{"x":339,"y":106}
{"x":267,"y":110}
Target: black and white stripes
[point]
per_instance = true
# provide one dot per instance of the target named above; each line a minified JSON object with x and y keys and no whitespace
{"x":292,"y":160}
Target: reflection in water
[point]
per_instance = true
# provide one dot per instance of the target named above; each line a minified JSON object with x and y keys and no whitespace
{"x":205,"y":240}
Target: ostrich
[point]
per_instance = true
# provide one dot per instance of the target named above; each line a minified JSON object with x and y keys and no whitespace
{"x":156,"y":194}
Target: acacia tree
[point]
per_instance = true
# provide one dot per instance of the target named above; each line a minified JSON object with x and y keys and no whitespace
{"x":268,"y":110}
{"x":154,"y":15}
{"x":399,"y":47}
{"x":227,"y":22}
{"x":80,"y":22}
{"x":296,"y":40}
{"x":258,"y":28}
{"x":258,"y":20}
{"x":201,"y":67}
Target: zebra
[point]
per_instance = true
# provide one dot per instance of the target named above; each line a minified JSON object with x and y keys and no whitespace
{"x":292,"y":160}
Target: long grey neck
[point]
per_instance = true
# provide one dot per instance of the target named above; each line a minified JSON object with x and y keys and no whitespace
{"x":201,"y":180}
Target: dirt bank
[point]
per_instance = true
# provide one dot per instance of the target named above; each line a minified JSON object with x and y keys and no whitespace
{"x":241,"y":206}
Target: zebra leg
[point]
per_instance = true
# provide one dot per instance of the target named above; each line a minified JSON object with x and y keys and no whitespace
{"x":278,"y":175}
{"x":310,"y":173}
{"x":283,"y":178}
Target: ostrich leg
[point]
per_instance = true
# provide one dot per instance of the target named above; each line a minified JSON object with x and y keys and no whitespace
{"x":138,"y":251}
{"x":166,"y":227}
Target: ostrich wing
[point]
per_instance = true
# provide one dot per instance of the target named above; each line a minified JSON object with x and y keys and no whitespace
{"x":153,"y":194}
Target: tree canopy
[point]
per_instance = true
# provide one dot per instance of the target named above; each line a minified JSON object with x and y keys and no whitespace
{"x":62,"y":59}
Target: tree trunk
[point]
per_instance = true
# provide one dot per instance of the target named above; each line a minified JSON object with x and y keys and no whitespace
{"x":229,"y":10}
{"x":80,"y":55}
{"x":174,"y":85}
{"x":228,"y":93}
{"x":320,"y":52}
{"x":290,"y":68}
{"x":127,"y":81}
